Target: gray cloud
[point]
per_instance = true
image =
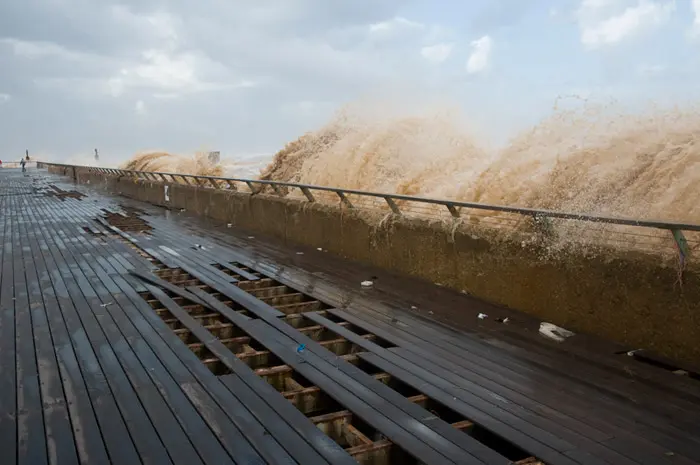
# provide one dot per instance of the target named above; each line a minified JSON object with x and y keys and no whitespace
{"x":178,"y":74}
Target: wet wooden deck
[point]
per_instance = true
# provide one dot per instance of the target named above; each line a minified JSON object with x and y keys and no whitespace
{"x":131,"y":334}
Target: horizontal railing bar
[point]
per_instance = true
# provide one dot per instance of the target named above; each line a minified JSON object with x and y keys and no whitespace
{"x":670,"y":225}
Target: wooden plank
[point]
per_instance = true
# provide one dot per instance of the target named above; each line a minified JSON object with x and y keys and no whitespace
{"x":345,"y":397}
{"x":210,"y":449}
{"x":420,"y":441}
{"x":179,"y":448}
{"x":59,"y":444}
{"x":229,"y":290}
{"x":85,"y":430}
{"x":31,"y":436}
{"x":263,"y":442}
{"x":8,"y":378}
{"x":245,"y":274}
{"x":156,"y":281}
{"x":370,"y":384}
{"x":107,"y":387}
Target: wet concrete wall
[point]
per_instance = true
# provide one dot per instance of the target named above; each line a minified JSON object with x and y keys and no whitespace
{"x":632,"y":299}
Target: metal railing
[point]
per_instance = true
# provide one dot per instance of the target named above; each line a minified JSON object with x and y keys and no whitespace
{"x":11,"y":164}
{"x":397,"y":203}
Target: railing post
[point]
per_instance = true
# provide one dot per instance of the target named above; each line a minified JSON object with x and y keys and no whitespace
{"x":251,"y":187}
{"x":213,"y":183}
{"x":308,"y":194}
{"x":344,"y":199}
{"x":392,"y":205}
{"x":453,"y":210}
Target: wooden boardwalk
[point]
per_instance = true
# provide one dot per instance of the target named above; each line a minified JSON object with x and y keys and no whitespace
{"x":131,"y":334}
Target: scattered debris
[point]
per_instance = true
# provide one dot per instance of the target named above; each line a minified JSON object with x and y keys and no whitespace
{"x":229,"y":225}
{"x":680,"y":372}
{"x":430,"y":312}
{"x":320,"y":249}
{"x":413,"y":307}
{"x":300,"y":253}
{"x":182,"y":210}
{"x":554,"y":332}
{"x":483,"y":316}
{"x":167,"y":196}
{"x":367,"y":283}
{"x":632,"y":353}
{"x":198,"y":247}
{"x":503,"y":320}
{"x":251,"y":237}
{"x":301,"y":348}
{"x":106,"y":305}
{"x":438,"y":284}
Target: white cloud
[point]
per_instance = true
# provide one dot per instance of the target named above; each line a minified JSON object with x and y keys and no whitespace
{"x":394,"y":25}
{"x":481,"y":55}
{"x":40,"y":49}
{"x":437,"y":53}
{"x":607,"y":22}
{"x":174,"y":74}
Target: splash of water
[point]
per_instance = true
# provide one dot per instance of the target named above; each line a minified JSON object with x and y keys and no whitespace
{"x":597,"y":159}
{"x":171,"y":163}
{"x":199,"y":164}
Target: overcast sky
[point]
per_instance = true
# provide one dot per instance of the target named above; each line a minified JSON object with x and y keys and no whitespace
{"x":183,"y":75}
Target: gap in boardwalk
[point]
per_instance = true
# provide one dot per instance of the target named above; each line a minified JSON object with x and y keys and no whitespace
{"x":285,"y":299}
{"x":62,"y":195}
{"x":363,"y":442}
{"x":445,"y":413}
{"x":131,"y":221}
{"x":342,"y":347}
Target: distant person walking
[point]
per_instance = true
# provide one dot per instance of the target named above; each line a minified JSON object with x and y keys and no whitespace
{"x":23,"y":163}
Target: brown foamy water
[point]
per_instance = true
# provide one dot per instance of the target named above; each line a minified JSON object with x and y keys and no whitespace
{"x":589,"y":160}
{"x":171,"y":163}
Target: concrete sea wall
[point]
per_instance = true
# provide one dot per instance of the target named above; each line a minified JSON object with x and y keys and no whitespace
{"x":630,"y":298}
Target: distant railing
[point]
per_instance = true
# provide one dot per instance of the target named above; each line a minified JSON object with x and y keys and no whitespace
{"x":397,"y":203}
{"x":17,"y":164}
